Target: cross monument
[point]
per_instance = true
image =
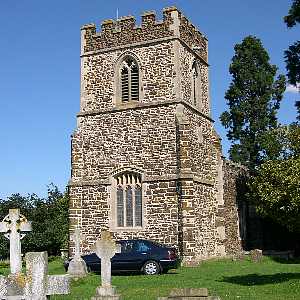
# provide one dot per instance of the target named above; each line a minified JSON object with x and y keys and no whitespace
{"x":77,"y":266}
{"x":13,"y":226}
{"x":106,"y":248}
{"x":76,"y":238}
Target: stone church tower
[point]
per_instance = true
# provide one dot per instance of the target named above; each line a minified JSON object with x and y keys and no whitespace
{"x":146,"y":161}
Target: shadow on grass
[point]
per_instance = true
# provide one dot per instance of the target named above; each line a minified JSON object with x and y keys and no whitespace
{"x":255,"y":279}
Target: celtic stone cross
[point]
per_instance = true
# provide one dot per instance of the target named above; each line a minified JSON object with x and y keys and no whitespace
{"x":76,"y":238}
{"x":14,"y":225}
{"x":106,"y":248}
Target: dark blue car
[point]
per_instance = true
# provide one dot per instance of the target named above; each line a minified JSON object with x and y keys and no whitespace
{"x":137,"y":256}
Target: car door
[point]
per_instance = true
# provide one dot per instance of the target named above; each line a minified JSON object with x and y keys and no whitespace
{"x":124,"y":261}
{"x":140,"y":254}
{"x":133,"y":255}
{"x":93,"y":262}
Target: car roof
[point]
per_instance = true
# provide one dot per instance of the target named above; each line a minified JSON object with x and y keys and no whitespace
{"x":143,"y":240}
{"x":134,"y":240}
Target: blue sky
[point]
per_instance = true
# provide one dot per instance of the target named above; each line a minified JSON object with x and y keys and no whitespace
{"x":39,"y":73}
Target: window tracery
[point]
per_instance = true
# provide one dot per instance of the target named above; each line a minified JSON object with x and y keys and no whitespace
{"x":129,"y":200}
{"x":129,"y":80}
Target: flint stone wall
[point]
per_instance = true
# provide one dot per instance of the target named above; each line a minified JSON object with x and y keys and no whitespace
{"x":100,"y":75}
{"x":160,"y":215}
{"x":232,"y":213}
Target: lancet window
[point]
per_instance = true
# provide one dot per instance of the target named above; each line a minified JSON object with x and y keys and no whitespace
{"x":129,"y":80}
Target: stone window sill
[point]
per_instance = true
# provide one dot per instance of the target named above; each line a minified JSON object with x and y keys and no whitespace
{"x":131,"y":104}
{"x":127,"y":229}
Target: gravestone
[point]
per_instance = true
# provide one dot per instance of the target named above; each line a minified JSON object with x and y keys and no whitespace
{"x":189,"y":293}
{"x":39,"y":284}
{"x":106,"y":248}
{"x":256,"y":255}
{"x":77,"y":266}
{"x":13,"y":226}
{"x":36,"y":284}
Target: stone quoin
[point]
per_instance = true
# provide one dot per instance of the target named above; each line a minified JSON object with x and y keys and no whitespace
{"x":146,"y":160}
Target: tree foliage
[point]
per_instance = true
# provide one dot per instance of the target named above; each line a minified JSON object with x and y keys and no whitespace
{"x":276,"y":186}
{"x":281,"y":143}
{"x":49,"y":221}
{"x":292,"y":55}
{"x":253,"y":98}
{"x":293,"y":16}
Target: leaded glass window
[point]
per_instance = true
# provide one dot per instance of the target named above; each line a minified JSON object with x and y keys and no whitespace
{"x":129,"y":200}
{"x":138,"y":206}
{"x":129,"y":207}
{"x":120,"y":207}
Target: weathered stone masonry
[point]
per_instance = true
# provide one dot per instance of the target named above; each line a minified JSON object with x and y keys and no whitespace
{"x":166,"y":137}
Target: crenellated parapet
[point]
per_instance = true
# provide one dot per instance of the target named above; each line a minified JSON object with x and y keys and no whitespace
{"x":124,"y":31}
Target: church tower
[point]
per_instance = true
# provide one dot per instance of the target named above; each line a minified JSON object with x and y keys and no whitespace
{"x":145,"y":157}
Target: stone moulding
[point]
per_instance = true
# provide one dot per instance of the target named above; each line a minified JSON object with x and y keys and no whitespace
{"x":88,"y":182}
{"x":140,"y":105}
{"x":146,"y":179}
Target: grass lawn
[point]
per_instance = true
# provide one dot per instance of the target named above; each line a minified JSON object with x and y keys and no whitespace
{"x":267,"y":280}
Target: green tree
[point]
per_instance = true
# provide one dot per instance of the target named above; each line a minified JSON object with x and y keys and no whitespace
{"x":253,"y":98}
{"x":293,"y":16}
{"x":276,"y":187}
{"x":49,"y":218}
{"x":292,"y":55}
{"x":281,"y":143}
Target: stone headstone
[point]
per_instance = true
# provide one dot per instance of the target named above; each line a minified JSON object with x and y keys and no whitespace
{"x":12,"y":286}
{"x":39,"y":284}
{"x":239,"y":256}
{"x":64,"y":253}
{"x":36,"y":284}
{"x":189,"y":293}
{"x":106,"y":248}
{"x":77,"y":266}
{"x":256,"y":255}
{"x":14,"y":226}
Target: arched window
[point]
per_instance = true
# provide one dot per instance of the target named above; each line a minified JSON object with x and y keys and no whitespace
{"x":196,"y":84}
{"x":129,"y":200}
{"x":129,"y":85}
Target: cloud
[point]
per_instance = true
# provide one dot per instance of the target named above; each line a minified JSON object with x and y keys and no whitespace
{"x":293,"y":89}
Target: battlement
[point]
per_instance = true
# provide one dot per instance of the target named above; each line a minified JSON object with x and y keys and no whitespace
{"x":125,"y":31}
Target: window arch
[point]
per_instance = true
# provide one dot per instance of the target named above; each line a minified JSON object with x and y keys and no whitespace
{"x":129,"y":80}
{"x":196,"y":84}
{"x":128,"y":200}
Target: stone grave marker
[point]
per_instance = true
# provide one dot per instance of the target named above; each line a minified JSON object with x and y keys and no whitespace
{"x":77,"y":266}
{"x":13,"y":226}
{"x":106,"y":248}
{"x":189,"y":293}
{"x":39,"y":284}
{"x":36,"y":284}
{"x":256,"y":255}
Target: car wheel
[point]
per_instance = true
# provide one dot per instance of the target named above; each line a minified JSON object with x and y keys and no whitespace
{"x":151,"y":267}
